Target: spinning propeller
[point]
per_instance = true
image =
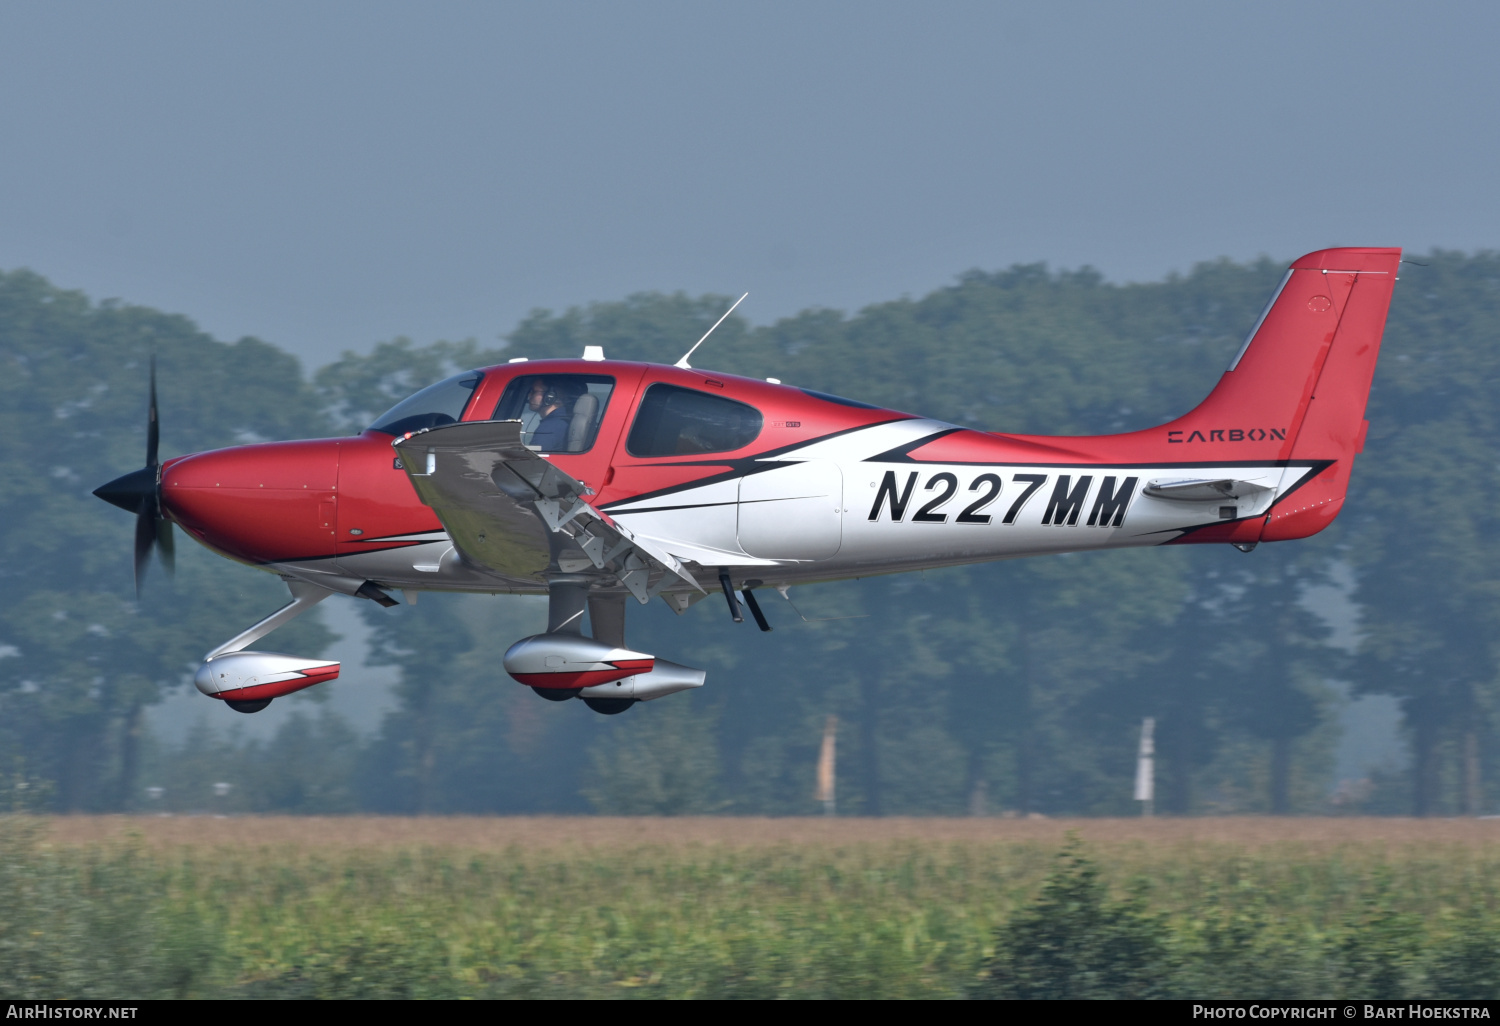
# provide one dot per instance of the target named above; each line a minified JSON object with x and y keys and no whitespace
{"x":139,"y":492}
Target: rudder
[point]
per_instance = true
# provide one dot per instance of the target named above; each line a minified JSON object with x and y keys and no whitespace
{"x":1331,"y":422}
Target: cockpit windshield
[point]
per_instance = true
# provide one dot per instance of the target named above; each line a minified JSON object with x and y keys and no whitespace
{"x":434,"y":406}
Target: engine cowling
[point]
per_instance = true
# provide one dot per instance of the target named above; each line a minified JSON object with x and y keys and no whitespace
{"x":251,"y":676}
{"x":572,"y":661}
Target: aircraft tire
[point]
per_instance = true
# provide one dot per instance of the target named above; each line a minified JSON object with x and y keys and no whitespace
{"x":609,"y":706}
{"x":252,"y":705}
{"x":557,"y":694}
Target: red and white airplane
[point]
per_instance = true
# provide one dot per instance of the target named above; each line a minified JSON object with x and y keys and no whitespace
{"x":600,"y":482}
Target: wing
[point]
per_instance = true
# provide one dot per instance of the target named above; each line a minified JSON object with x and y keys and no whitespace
{"x":509,"y":509}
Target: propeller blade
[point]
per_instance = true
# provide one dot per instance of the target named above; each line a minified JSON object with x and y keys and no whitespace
{"x":145,"y":538}
{"x":166,"y":546}
{"x":153,"y":433}
{"x":139,"y":493}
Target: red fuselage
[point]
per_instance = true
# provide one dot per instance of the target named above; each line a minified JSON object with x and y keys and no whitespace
{"x":297,"y":501}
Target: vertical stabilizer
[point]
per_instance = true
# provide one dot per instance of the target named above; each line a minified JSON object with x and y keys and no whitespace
{"x":1297,"y":389}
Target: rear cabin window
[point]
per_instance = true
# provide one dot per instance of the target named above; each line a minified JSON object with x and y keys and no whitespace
{"x":432,"y":407}
{"x":558,"y":412}
{"x":676,"y":421}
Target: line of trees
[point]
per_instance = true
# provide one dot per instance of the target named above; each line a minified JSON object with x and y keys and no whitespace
{"x":1013,"y":686}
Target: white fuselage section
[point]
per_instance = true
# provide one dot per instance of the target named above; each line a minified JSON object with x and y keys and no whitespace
{"x":854,"y":505}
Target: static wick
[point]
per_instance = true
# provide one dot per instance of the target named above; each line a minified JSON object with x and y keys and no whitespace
{"x":683,"y":363}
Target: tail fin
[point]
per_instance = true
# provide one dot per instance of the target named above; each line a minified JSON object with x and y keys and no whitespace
{"x":1297,"y":389}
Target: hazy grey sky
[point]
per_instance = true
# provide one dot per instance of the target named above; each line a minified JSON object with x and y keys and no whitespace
{"x":326,"y":175}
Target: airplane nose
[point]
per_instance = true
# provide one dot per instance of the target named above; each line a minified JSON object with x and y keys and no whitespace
{"x":129,"y":491}
{"x":262,"y":503}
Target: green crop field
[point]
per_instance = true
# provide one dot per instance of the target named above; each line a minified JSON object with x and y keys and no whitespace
{"x":706,"y":907}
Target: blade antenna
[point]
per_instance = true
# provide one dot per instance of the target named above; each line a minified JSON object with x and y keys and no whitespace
{"x":782,"y":590}
{"x":683,"y":363}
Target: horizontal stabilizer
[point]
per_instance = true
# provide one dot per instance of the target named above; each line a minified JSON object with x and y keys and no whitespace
{"x":1202,"y":489}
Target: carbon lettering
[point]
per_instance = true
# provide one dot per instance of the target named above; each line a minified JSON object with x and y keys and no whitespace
{"x":898,"y":503}
{"x":1109,"y":505}
{"x":1033,"y":482}
{"x":1229,"y":435}
{"x":971,"y":514}
{"x":925,"y":515}
{"x":1065,"y":505}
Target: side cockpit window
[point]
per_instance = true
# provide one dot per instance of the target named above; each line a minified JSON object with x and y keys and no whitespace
{"x":676,"y":421}
{"x":432,"y":407}
{"x":558,"y":412}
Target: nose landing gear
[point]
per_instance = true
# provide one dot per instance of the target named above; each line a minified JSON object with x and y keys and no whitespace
{"x":247,"y":682}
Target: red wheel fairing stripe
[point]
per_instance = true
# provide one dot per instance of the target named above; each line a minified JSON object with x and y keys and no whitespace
{"x":635,"y":665}
{"x":310,"y":676}
{"x":588,"y":678}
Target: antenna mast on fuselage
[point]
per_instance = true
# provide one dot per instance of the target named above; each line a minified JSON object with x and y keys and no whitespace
{"x":683,"y":363}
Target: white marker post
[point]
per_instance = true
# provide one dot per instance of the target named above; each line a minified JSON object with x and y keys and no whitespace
{"x":1145,"y":769}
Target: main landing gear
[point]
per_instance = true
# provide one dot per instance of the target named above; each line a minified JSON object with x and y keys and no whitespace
{"x":608,"y":677}
{"x":609,"y":706}
{"x":603,"y":707}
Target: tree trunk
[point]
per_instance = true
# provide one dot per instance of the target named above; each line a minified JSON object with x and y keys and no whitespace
{"x":79,"y":766}
{"x":130,"y":753}
{"x":1281,"y":775}
{"x":1025,"y":787}
{"x":1471,"y":772}
{"x":1424,"y":764}
{"x":423,"y":756}
{"x":869,"y":753}
{"x":1177,"y":748}
{"x":978,"y":786}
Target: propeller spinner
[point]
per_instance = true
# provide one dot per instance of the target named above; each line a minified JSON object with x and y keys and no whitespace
{"x":139,"y":492}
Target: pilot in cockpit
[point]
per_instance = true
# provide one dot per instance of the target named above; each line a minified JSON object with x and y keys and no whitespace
{"x":533,"y":412}
{"x":552,"y":406}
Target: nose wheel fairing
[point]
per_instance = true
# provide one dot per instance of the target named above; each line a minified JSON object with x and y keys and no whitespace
{"x":252,"y":676}
{"x":249,"y":681}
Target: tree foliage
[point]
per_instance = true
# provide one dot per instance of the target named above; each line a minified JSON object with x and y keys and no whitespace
{"x":1017,"y":685}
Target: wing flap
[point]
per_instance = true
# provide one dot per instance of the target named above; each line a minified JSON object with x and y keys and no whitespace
{"x":511,"y":510}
